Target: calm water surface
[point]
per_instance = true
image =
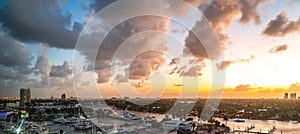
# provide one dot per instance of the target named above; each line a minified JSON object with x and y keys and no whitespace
{"x":291,"y":127}
{"x":286,"y":127}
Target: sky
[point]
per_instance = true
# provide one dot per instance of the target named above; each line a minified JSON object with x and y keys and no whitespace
{"x":237,"y":48}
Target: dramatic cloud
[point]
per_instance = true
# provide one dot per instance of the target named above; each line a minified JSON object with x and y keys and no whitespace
{"x":220,"y":13}
{"x":112,"y":46}
{"x":249,"y":11}
{"x":61,"y":70}
{"x":43,"y":65}
{"x":127,"y":29}
{"x":144,"y":64}
{"x":44,"y":22}
{"x":15,"y":65}
{"x":15,"y":59}
{"x":277,"y":49}
{"x":13,"y":53}
{"x":54,"y":76}
{"x":223,"y":65}
{"x":281,"y":26}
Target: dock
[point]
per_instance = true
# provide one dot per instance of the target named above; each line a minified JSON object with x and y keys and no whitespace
{"x":249,"y":130}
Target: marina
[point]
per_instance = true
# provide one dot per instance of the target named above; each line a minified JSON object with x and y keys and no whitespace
{"x":125,"y":121}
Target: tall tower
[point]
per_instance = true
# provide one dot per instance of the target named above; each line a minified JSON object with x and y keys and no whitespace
{"x":286,"y":95}
{"x":63,"y":97}
{"x":293,"y":96}
{"x":25,"y":96}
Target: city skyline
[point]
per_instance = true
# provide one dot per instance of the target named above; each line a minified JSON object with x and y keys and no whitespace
{"x":260,"y":42}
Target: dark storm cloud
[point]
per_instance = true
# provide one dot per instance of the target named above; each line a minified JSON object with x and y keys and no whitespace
{"x":13,"y":53}
{"x":15,"y":62}
{"x":99,"y":4}
{"x":40,"y":21}
{"x":61,"y":70}
{"x":281,"y":26}
{"x":277,"y":49}
{"x":15,"y":57}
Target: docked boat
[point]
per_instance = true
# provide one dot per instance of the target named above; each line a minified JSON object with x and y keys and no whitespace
{"x":239,"y":120}
{"x":60,"y":120}
{"x":70,"y":120}
{"x":82,"y":126}
{"x":128,"y":115}
{"x":149,"y":118}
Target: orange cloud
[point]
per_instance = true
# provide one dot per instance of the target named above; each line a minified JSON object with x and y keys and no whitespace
{"x":277,"y":49}
{"x":223,"y":65}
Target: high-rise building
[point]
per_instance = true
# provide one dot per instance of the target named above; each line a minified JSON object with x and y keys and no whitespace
{"x":293,"y":96}
{"x":25,"y":96}
{"x":63,"y":96}
{"x":286,"y":95}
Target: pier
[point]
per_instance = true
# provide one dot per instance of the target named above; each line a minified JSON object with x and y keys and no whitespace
{"x":248,"y":129}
